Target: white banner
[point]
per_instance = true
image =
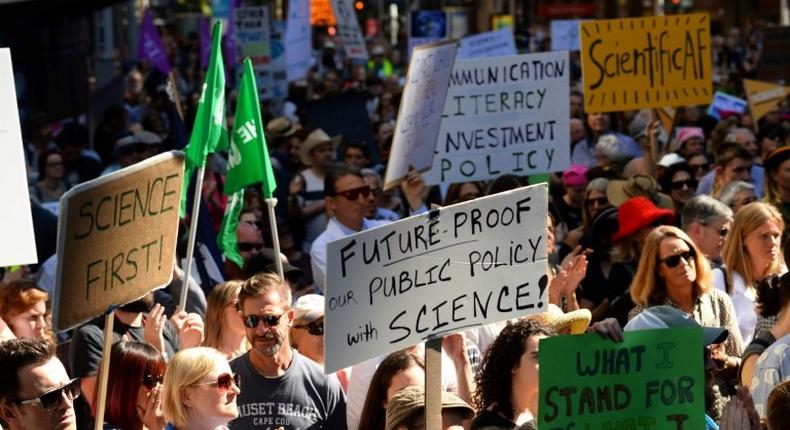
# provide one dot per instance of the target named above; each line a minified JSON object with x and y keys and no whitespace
{"x":430,"y":275}
{"x":489,"y":44}
{"x":298,"y":39}
{"x":254,"y":41}
{"x":504,"y":115}
{"x":348,"y":30}
{"x":565,"y":35}
{"x":16,"y":223}
{"x":420,"y":111}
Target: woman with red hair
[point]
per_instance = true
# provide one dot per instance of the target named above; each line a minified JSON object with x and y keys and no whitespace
{"x":134,"y":387}
{"x":24,"y":307}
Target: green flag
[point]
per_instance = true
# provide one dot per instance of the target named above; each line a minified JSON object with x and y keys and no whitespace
{"x":248,"y":157}
{"x":210,"y":117}
{"x":226,"y":239}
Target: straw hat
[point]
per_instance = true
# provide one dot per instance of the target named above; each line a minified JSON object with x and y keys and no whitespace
{"x":314,"y":139}
{"x":282,"y":127}
{"x":577,"y":321}
{"x":618,"y":191}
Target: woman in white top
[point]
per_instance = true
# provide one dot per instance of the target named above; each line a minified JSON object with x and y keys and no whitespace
{"x":750,"y":254}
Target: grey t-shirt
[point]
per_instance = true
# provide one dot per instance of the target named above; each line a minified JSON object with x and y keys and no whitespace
{"x":302,"y":398}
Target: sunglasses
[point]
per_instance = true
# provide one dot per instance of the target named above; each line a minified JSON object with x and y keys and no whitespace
{"x":224,"y":382}
{"x":354,"y":193}
{"x":314,"y":328}
{"x":601,"y":201}
{"x":53,"y":398}
{"x":690,"y":183}
{"x":252,"y":321}
{"x":674,"y":260}
{"x":151,"y":381}
{"x":247,"y":246}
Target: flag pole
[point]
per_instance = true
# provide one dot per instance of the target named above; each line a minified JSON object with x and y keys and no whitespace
{"x":270,"y":204}
{"x":193,"y":224}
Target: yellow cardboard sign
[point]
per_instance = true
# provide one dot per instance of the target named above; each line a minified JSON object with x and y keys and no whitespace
{"x":666,"y":115}
{"x":652,"y":62}
{"x":763,"y":97}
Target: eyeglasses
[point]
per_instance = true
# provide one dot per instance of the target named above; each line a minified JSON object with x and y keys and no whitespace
{"x":601,"y":201}
{"x":674,"y":260}
{"x":247,"y":246}
{"x":151,"y":381}
{"x":224,"y":382}
{"x":690,"y":183}
{"x":354,"y":193}
{"x":314,"y":328}
{"x":53,"y":398}
{"x":252,"y":321}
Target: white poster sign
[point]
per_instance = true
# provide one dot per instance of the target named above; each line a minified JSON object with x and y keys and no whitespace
{"x":298,"y":39}
{"x":348,"y":30}
{"x":254,"y":41}
{"x":16,"y":223}
{"x":489,"y":44}
{"x":565,"y":35}
{"x":504,"y":115}
{"x":420,"y":110}
{"x":723,"y":102}
{"x":279,"y":89}
{"x":430,"y":275}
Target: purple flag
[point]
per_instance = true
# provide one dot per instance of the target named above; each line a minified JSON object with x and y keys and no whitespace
{"x":205,"y":42}
{"x":150,"y":45}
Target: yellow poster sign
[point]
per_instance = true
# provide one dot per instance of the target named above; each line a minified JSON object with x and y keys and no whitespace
{"x":763,"y":97}
{"x":652,"y":62}
{"x":666,"y":115}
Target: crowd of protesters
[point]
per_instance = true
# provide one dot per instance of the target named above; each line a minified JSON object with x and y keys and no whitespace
{"x":698,"y":236}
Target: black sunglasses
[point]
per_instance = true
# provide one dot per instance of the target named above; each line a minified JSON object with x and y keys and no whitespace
{"x":354,"y":193}
{"x":602,"y":201}
{"x":314,"y":328}
{"x":690,"y":183}
{"x":53,"y":398}
{"x":247,"y":246}
{"x":252,"y":321}
{"x":151,"y":381}
{"x":674,"y":260}
{"x":224,"y":381}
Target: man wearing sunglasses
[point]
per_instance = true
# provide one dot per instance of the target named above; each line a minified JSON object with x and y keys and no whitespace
{"x":282,"y":388}
{"x":707,"y":222}
{"x":35,"y":390}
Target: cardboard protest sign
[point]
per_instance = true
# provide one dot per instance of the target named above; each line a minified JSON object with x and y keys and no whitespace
{"x":763,"y":97}
{"x":433,"y":274}
{"x":489,"y":44}
{"x":420,"y":110}
{"x":774,"y":64}
{"x":349,"y":31}
{"x":16,"y":222}
{"x":117,"y":238}
{"x":653,"y":379}
{"x":253,"y":38}
{"x":298,"y":39}
{"x":636,"y":63}
{"x":504,"y":115}
{"x":723,"y":102}
{"x":565,"y":35}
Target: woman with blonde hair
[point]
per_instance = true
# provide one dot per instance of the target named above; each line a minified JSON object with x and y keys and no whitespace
{"x":751,"y":253}
{"x":224,"y":326}
{"x":200,"y":390}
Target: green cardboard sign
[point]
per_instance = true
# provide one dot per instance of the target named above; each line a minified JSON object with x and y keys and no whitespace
{"x":653,"y":380}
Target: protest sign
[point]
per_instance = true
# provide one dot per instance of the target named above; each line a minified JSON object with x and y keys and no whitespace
{"x":349,"y":31}
{"x":723,"y":102}
{"x":653,"y":379}
{"x":420,"y":110}
{"x":429,"y":275}
{"x":565,"y":35}
{"x":635,"y":63}
{"x":666,"y":115}
{"x":254,"y":40}
{"x":504,"y":115}
{"x":279,"y":82}
{"x":298,"y":42}
{"x":489,"y":44}
{"x":16,"y":222}
{"x":763,"y":97}
{"x":117,"y":238}
{"x":774,"y":64}
{"x":426,"y":26}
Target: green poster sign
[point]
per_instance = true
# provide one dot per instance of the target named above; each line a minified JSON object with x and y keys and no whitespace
{"x":653,"y":380}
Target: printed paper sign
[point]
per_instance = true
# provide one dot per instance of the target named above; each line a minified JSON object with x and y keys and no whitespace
{"x":430,"y":275}
{"x":420,"y":110}
{"x":723,"y":102}
{"x":565,"y":35}
{"x":764,"y":97}
{"x":254,"y":41}
{"x":653,"y":379}
{"x":298,"y":42}
{"x":636,"y":63}
{"x":489,"y":44}
{"x":348,"y":30}
{"x":117,"y":238}
{"x":16,"y":222}
{"x":504,"y":115}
